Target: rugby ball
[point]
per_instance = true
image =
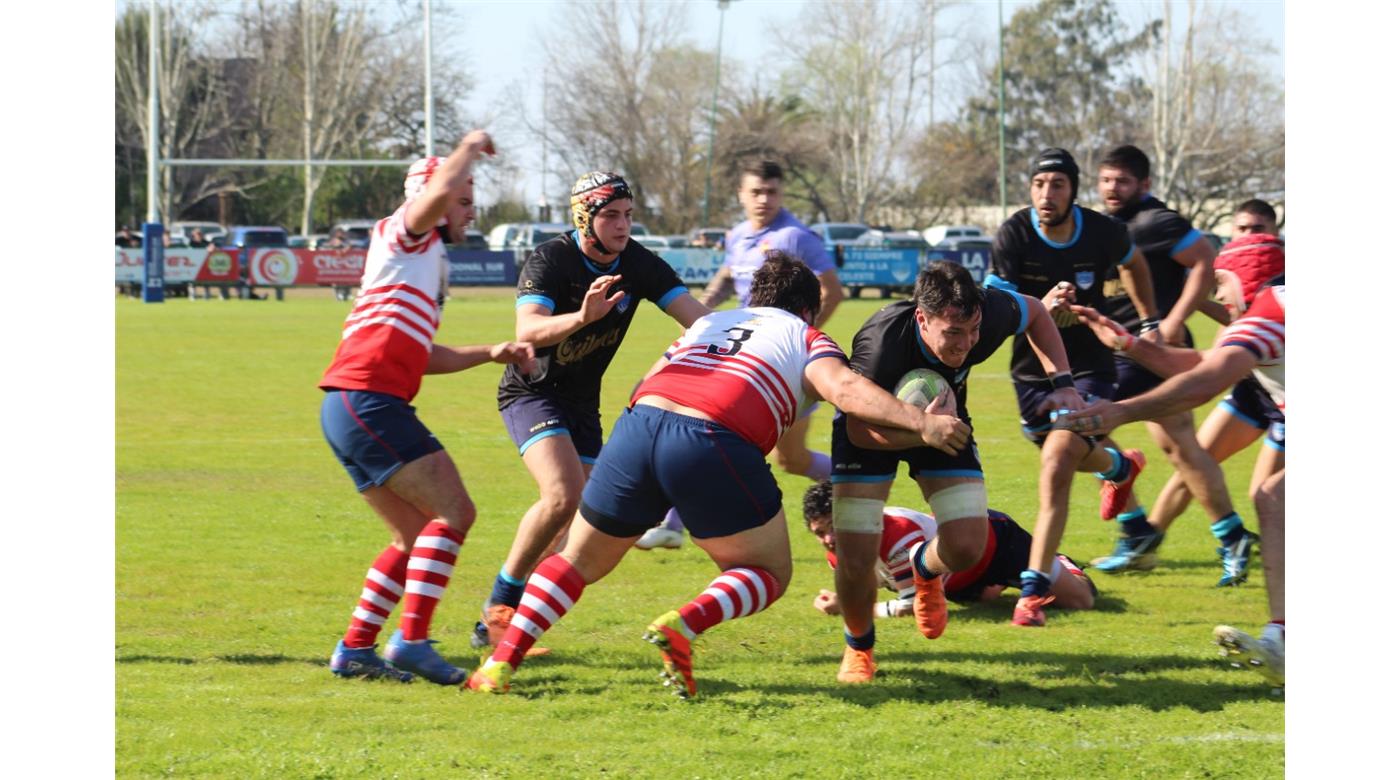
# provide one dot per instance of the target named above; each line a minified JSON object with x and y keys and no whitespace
{"x":920,"y":387}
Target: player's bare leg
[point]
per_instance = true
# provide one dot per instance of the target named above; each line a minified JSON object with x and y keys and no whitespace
{"x":1269,"y":463}
{"x":961,"y":539}
{"x":1221,"y":436}
{"x":856,"y":586}
{"x":1062,"y":454}
{"x":1266,"y":654}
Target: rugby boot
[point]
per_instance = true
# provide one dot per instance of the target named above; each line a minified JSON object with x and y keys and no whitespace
{"x":1234,"y":560}
{"x":930,"y":605}
{"x":495,"y":620}
{"x":363,"y":662}
{"x":1131,"y":553}
{"x":660,"y":536}
{"x":668,"y":634}
{"x":1113,"y":496}
{"x":1030,"y":611}
{"x":421,"y":659}
{"x":1264,"y":654}
{"x":490,"y":677}
{"x":857,"y":666}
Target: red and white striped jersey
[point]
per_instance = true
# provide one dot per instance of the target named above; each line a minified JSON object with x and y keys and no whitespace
{"x":386,"y":340}
{"x":1260,"y":331}
{"x":904,"y":529}
{"x":743,"y":368}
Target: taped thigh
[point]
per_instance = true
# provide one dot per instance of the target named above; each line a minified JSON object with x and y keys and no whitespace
{"x":968,"y":500}
{"x":858,"y":515}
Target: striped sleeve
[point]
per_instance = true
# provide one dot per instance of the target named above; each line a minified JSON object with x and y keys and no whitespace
{"x":396,"y":232}
{"x":820,"y":345}
{"x":1259,"y":335}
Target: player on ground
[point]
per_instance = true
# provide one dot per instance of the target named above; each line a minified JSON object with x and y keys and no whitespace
{"x":1247,"y":412}
{"x":1060,"y":253}
{"x":1003,"y":559}
{"x":1180,"y":259}
{"x":398,"y":466}
{"x":1253,"y":343}
{"x":575,"y":300}
{"x":767,"y":226}
{"x":950,"y":326}
{"x":695,"y":439}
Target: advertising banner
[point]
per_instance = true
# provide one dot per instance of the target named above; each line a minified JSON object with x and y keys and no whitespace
{"x":695,"y":266}
{"x":282,"y":267}
{"x":978,"y":262}
{"x":182,"y":266}
{"x":871,"y":267}
{"x":480,"y":268}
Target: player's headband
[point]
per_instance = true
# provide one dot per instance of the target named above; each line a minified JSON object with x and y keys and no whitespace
{"x":591,"y":193}
{"x":1055,"y":160}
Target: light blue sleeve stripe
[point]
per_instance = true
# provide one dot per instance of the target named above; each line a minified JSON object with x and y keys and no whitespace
{"x":1025,"y":313}
{"x":1128,"y":257}
{"x":1274,"y":445}
{"x":538,"y":300}
{"x":994,"y":281}
{"x":670,"y":296}
{"x":1186,"y":241}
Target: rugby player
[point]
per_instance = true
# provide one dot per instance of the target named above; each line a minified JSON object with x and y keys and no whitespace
{"x":1060,"y":253}
{"x":950,"y":326}
{"x":695,"y":439}
{"x":1180,"y":259}
{"x":767,"y":225}
{"x":1254,"y":343}
{"x":575,"y":300}
{"x":1003,"y":559}
{"x":404,"y":474}
{"x":1247,"y":412}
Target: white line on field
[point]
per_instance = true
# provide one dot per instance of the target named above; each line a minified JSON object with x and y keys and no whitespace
{"x":1085,"y":744}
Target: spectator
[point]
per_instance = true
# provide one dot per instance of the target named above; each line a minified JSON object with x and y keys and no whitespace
{"x":337,"y":242}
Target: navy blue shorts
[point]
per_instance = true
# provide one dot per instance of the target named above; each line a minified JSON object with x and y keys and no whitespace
{"x":1133,"y":379}
{"x":530,"y":418}
{"x":850,"y":463}
{"x":373,"y":434}
{"x":1029,"y":395}
{"x":719,"y":483}
{"x":1009,"y":559}
{"x":1250,"y":402}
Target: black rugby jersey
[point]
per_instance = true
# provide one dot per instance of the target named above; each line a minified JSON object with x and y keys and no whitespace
{"x":1025,"y":261}
{"x":888,"y":345}
{"x":1160,"y":233}
{"x":557,"y":275}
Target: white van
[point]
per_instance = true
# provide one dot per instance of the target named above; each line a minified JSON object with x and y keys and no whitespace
{"x":940,"y":233}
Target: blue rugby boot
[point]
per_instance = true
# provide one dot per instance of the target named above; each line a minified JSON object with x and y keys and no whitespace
{"x":421,"y":659}
{"x":363,"y":662}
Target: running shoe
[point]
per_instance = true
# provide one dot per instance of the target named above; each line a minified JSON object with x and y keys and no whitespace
{"x":489,"y":631}
{"x":667,"y":634}
{"x":1113,"y":496}
{"x":930,"y":605}
{"x":660,"y":536}
{"x":491,"y":677}
{"x":1234,"y":560}
{"x":1265,"y":654}
{"x":363,"y":662}
{"x":857,"y":666}
{"x":1131,"y":553}
{"x":1030,"y":611}
{"x":421,"y":659}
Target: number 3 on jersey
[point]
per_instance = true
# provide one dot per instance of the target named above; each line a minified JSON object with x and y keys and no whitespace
{"x":736,"y":343}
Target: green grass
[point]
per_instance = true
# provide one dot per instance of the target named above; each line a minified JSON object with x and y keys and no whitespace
{"x":241,"y":546}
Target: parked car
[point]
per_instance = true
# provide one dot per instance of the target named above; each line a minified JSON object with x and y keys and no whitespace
{"x":654,"y":243}
{"x":243,"y":236}
{"x":708,"y":237}
{"x":638,"y":229}
{"x":677,"y":241}
{"x":211,"y":230}
{"x":473,"y":239}
{"x":894,"y":239}
{"x":839,"y":234}
{"x":299,"y":242}
{"x":939,"y":233}
{"x":356,"y":231}
{"x":502,"y":236}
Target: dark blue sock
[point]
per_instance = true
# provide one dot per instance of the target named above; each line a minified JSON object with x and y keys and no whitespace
{"x":864,"y":642}
{"x":1119,"y":470}
{"x":1135,"y":523}
{"x":919,"y":566}
{"x":506,"y":590}
{"x":1228,"y":529}
{"x":1034,"y":583}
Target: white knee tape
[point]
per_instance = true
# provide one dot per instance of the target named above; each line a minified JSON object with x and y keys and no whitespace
{"x":958,"y":502}
{"x":858,"y":515}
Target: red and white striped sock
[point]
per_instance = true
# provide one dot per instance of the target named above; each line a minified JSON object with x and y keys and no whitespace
{"x":735,"y":593}
{"x":429,"y":570}
{"x":550,"y":592}
{"x":383,"y":588}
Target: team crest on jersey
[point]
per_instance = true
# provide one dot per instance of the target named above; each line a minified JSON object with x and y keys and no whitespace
{"x":1084,"y":279}
{"x":624,"y":303}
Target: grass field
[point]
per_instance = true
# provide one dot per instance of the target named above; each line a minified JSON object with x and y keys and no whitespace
{"x":241,"y":547}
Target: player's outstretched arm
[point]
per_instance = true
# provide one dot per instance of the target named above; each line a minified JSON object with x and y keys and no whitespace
{"x":447,"y":183}
{"x":536,"y":324}
{"x":447,"y":360}
{"x":1160,"y":359}
{"x":685,"y":309}
{"x":832,"y":295}
{"x":1221,"y":368}
{"x":857,"y":396}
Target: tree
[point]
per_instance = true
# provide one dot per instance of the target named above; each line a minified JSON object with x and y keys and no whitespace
{"x":762,"y":126}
